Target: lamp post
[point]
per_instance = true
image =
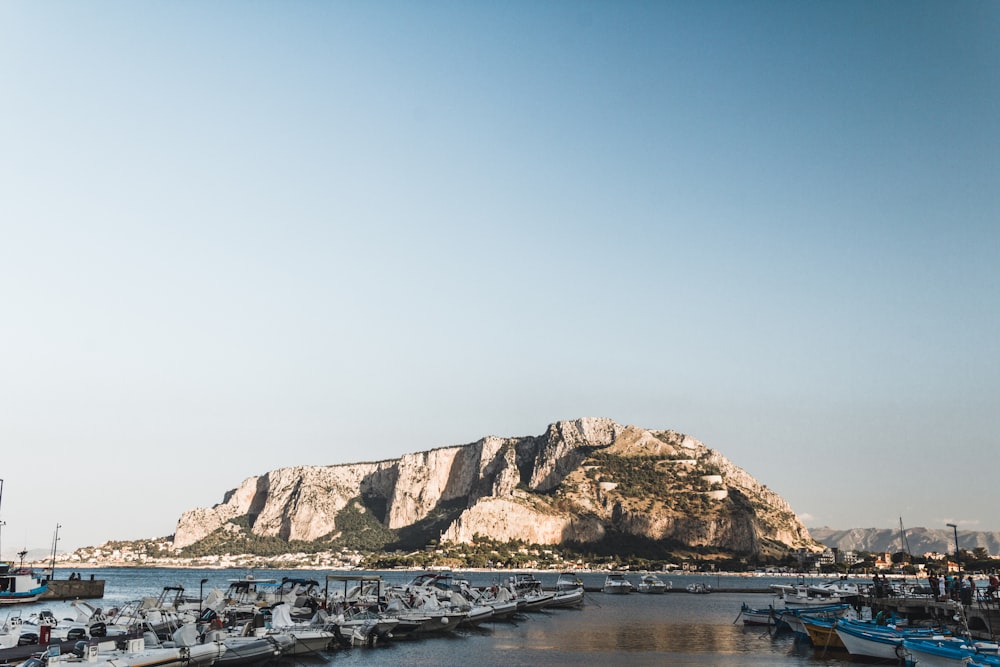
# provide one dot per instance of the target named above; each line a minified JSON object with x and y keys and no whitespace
{"x":958,"y":555}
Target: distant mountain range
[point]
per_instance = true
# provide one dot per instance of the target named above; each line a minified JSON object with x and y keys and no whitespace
{"x":918,"y":541}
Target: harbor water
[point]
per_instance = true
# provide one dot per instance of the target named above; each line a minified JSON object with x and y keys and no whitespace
{"x":676,"y":628}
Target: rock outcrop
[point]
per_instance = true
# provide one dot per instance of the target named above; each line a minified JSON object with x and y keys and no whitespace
{"x":578,"y":482}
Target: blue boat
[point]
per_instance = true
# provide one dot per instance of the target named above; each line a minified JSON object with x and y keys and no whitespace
{"x":20,"y":585}
{"x":947,"y":651}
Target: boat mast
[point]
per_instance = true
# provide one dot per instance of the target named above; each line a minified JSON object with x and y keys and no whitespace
{"x":55,"y":541}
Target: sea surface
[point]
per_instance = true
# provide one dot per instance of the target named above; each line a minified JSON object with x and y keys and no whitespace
{"x":676,"y":628}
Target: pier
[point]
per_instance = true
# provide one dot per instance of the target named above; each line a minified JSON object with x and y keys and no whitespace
{"x":74,"y":589}
{"x":982,"y":617}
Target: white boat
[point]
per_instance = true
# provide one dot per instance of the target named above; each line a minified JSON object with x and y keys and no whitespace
{"x":528,"y":592}
{"x":650,"y":583}
{"x":454,"y":592}
{"x":568,"y":581}
{"x":840,"y":588}
{"x":947,"y":651}
{"x":831,"y":592}
{"x":307,"y":639}
{"x":804,"y":595}
{"x":869,"y":640}
{"x":501,"y":600}
{"x":698,"y":587}
{"x":184,"y":650}
{"x":570,"y":598}
{"x":247,"y":649}
{"x":616,"y":584}
{"x":245,"y":596}
{"x":759,"y":616}
{"x":40,"y":628}
{"x":20,"y":586}
{"x":361,"y":616}
{"x":416,"y":604}
{"x":569,"y":590}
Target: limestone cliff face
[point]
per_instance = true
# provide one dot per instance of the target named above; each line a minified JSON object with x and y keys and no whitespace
{"x":578,"y":481}
{"x":299,"y":503}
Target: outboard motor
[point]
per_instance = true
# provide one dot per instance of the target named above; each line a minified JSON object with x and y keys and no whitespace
{"x":76,"y":633}
{"x":99,"y":629}
{"x":27,"y":639}
{"x":80,"y":649}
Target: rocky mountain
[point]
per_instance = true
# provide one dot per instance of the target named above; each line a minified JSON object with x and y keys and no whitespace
{"x":918,"y":541}
{"x":581,"y":481}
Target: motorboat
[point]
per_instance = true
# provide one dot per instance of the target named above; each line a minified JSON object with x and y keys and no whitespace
{"x":183,"y":651}
{"x":500,"y":599}
{"x":568,"y":581}
{"x":866,"y":639}
{"x":650,"y":583}
{"x":943,"y":651}
{"x":795,"y":617}
{"x":822,"y":632}
{"x":245,"y":596}
{"x":307,"y":638}
{"x":760,"y":615}
{"x":41,"y":627}
{"x":361,"y":615}
{"x":616,"y":584}
{"x":569,"y":591}
{"x":528,"y":592}
{"x":563,"y":599}
{"x":248,"y":644}
{"x":840,"y":588}
{"x":20,"y":586}
{"x":699,"y":588}
{"x":803,"y":594}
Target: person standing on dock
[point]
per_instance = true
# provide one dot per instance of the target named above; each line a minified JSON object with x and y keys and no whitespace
{"x":965,"y":587}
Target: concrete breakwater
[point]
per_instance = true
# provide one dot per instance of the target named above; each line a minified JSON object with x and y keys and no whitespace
{"x":74,"y":589}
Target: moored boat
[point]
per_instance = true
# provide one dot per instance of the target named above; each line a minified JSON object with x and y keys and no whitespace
{"x":822,"y":632}
{"x":570,"y":598}
{"x":650,"y":583}
{"x":794,"y":617}
{"x":759,"y":616}
{"x":616,"y":584}
{"x":869,"y":640}
{"x":568,"y":581}
{"x":940,"y":651}
{"x":20,"y":586}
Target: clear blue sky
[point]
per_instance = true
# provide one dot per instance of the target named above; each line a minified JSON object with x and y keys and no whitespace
{"x":239,"y":236}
